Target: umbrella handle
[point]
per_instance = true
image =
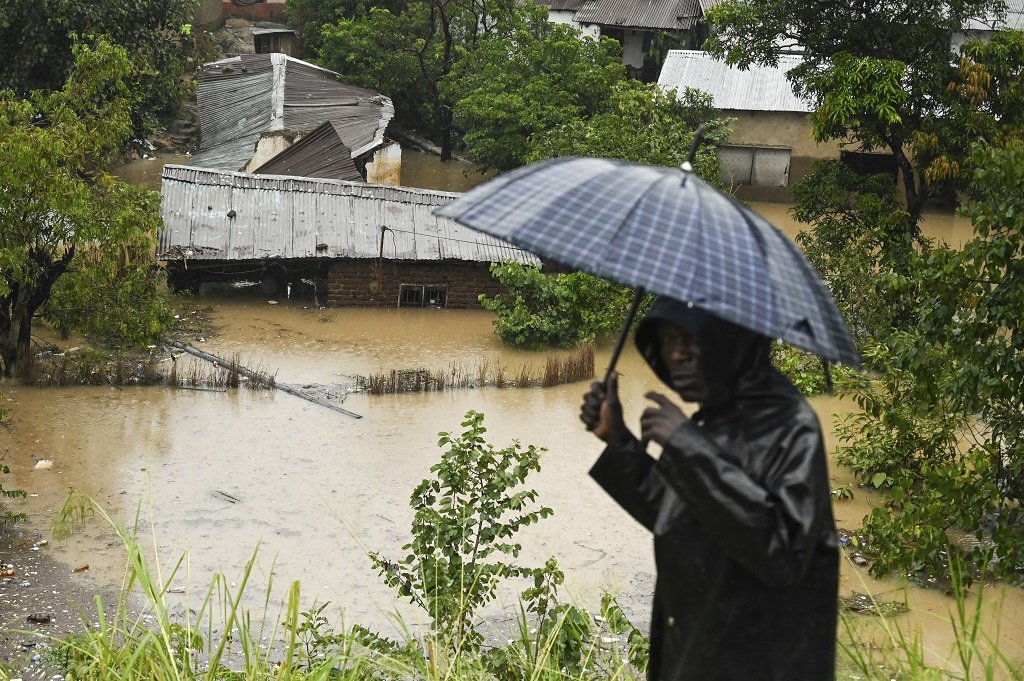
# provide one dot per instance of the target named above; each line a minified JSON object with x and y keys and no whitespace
{"x":638,"y":295}
{"x":698,"y":137}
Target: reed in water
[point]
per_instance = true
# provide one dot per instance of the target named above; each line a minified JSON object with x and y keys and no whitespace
{"x":573,"y":367}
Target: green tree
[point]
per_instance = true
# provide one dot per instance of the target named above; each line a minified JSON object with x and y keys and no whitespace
{"x":407,"y":52}
{"x":539,"y":310}
{"x":307,"y":17}
{"x":643,"y":124}
{"x":529,"y":76}
{"x":55,"y":198}
{"x":942,"y":429}
{"x":37,"y":37}
{"x":874,"y":71}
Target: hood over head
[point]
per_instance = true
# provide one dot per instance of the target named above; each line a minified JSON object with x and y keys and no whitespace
{"x":731,"y":356}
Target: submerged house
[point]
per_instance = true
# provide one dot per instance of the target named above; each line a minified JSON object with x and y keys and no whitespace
{"x":252,"y":107}
{"x":771,"y":142}
{"x":360,"y":244}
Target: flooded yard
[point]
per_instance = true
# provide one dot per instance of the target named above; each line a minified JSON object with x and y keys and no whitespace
{"x":216,"y":476}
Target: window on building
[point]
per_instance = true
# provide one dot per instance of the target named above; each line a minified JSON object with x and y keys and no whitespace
{"x":423,"y":295}
{"x":410,"y":295}
{"x":757,"y":166}
{"x":435,"y":295}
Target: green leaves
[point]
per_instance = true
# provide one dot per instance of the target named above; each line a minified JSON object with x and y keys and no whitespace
{"x":57,"y":205}
{"x":564,"y":310}
{"x":466,"y":519}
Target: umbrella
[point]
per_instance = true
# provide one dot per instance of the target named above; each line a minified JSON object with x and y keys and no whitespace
{"x":664,"y":231}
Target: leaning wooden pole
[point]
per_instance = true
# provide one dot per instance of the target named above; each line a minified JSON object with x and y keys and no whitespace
{"x":252,"y":375}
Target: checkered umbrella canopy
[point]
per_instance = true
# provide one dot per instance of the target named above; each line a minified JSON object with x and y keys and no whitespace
{"x":665,"y":231}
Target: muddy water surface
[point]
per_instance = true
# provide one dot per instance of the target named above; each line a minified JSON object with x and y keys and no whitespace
{"x":215,"y":475}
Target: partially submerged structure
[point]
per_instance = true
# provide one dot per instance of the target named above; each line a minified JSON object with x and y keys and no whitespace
{"x":362,"y":244}
{"x":252,"y":107}
{"x":771,"y":142}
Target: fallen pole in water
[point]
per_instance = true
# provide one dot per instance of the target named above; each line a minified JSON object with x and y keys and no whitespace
{"x":254,"y":376}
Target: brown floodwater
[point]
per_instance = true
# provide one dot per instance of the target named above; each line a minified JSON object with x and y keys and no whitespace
{"x":216,"y":475}
{"x":219,"y":476}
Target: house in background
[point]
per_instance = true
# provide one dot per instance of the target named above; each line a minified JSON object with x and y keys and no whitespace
{"x":771,"y":143}
{"x":359,"y":244}
{"x":254,"y":106}
{"x":269,"y":37}
{"x":1013,"y":19}
{"x":635,"y":25}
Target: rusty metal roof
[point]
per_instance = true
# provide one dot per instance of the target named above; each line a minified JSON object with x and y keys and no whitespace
{"x":241,"y":97}
{"x":319,"y":153}
{"x":758,"y":88}
{"x":210,"y":214}
{"x":664,"y":14}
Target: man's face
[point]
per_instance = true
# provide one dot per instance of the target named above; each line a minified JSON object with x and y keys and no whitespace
{"x":681,"y":354}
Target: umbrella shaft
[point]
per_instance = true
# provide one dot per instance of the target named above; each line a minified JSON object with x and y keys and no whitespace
{"x":638,"y":295}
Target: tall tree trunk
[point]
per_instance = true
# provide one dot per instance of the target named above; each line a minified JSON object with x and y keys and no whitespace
{"x":22,"y":303}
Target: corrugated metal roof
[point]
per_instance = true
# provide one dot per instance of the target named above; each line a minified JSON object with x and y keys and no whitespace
{"x":241,"y":97}
{"x":666,"y":14}
{"x":758,"y":88}
{"x":266,"y":27}
{"x":319,"y":153}
{"x":563,"y":5}
{"x":1014,"y":19}
{"x":289,"y":217}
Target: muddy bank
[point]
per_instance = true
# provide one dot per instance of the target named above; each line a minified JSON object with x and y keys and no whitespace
{"x":42,"y":602}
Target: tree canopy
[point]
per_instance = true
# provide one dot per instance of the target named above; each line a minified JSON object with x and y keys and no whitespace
{"x":36,"y":39}
{"x":56,"y":200}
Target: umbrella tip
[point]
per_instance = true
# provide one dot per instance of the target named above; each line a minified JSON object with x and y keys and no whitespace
{"x":686,"y":167}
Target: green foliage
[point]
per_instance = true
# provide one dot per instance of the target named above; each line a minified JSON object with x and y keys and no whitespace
{"x":37,"y":41}
{"x":526,"y":77}
{"x":55,"y":198}
{"x":407,"y":52}
{"x":876,"y":73}
{"x":643,"y":124}
{"x":118,"y":298}
{"x":307,"y":17}
{"x":859,"y":235}
{"x":941,"y":428}
{"x":464,"y":531}
{"x":539,"y":310}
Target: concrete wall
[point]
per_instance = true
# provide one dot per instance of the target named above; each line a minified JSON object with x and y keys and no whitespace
{"x":270,"y":145}
{"x":376,"y":283}
{"x":271,"y":10}
{"x":209,"y":14}
{"x":790,"y":129}
{"x":386,"y":166}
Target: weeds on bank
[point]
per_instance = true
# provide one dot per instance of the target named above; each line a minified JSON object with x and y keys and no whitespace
{"x":899,"y":655}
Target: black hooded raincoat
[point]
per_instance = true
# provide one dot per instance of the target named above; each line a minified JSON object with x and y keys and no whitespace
{"x":739,"y":506}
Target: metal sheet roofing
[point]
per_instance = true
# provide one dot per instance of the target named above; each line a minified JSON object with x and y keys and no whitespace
{"x":241,"y":97}
{"x":1013,"y":19}
{"x":665,"y":14}
{"x":319,"y":153}
{"x":210,"y":214}
{"x":758,"y":88}
{"x":563,"y":5}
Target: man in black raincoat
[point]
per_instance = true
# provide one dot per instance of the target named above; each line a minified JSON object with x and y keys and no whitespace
{"x":738,"y":503}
